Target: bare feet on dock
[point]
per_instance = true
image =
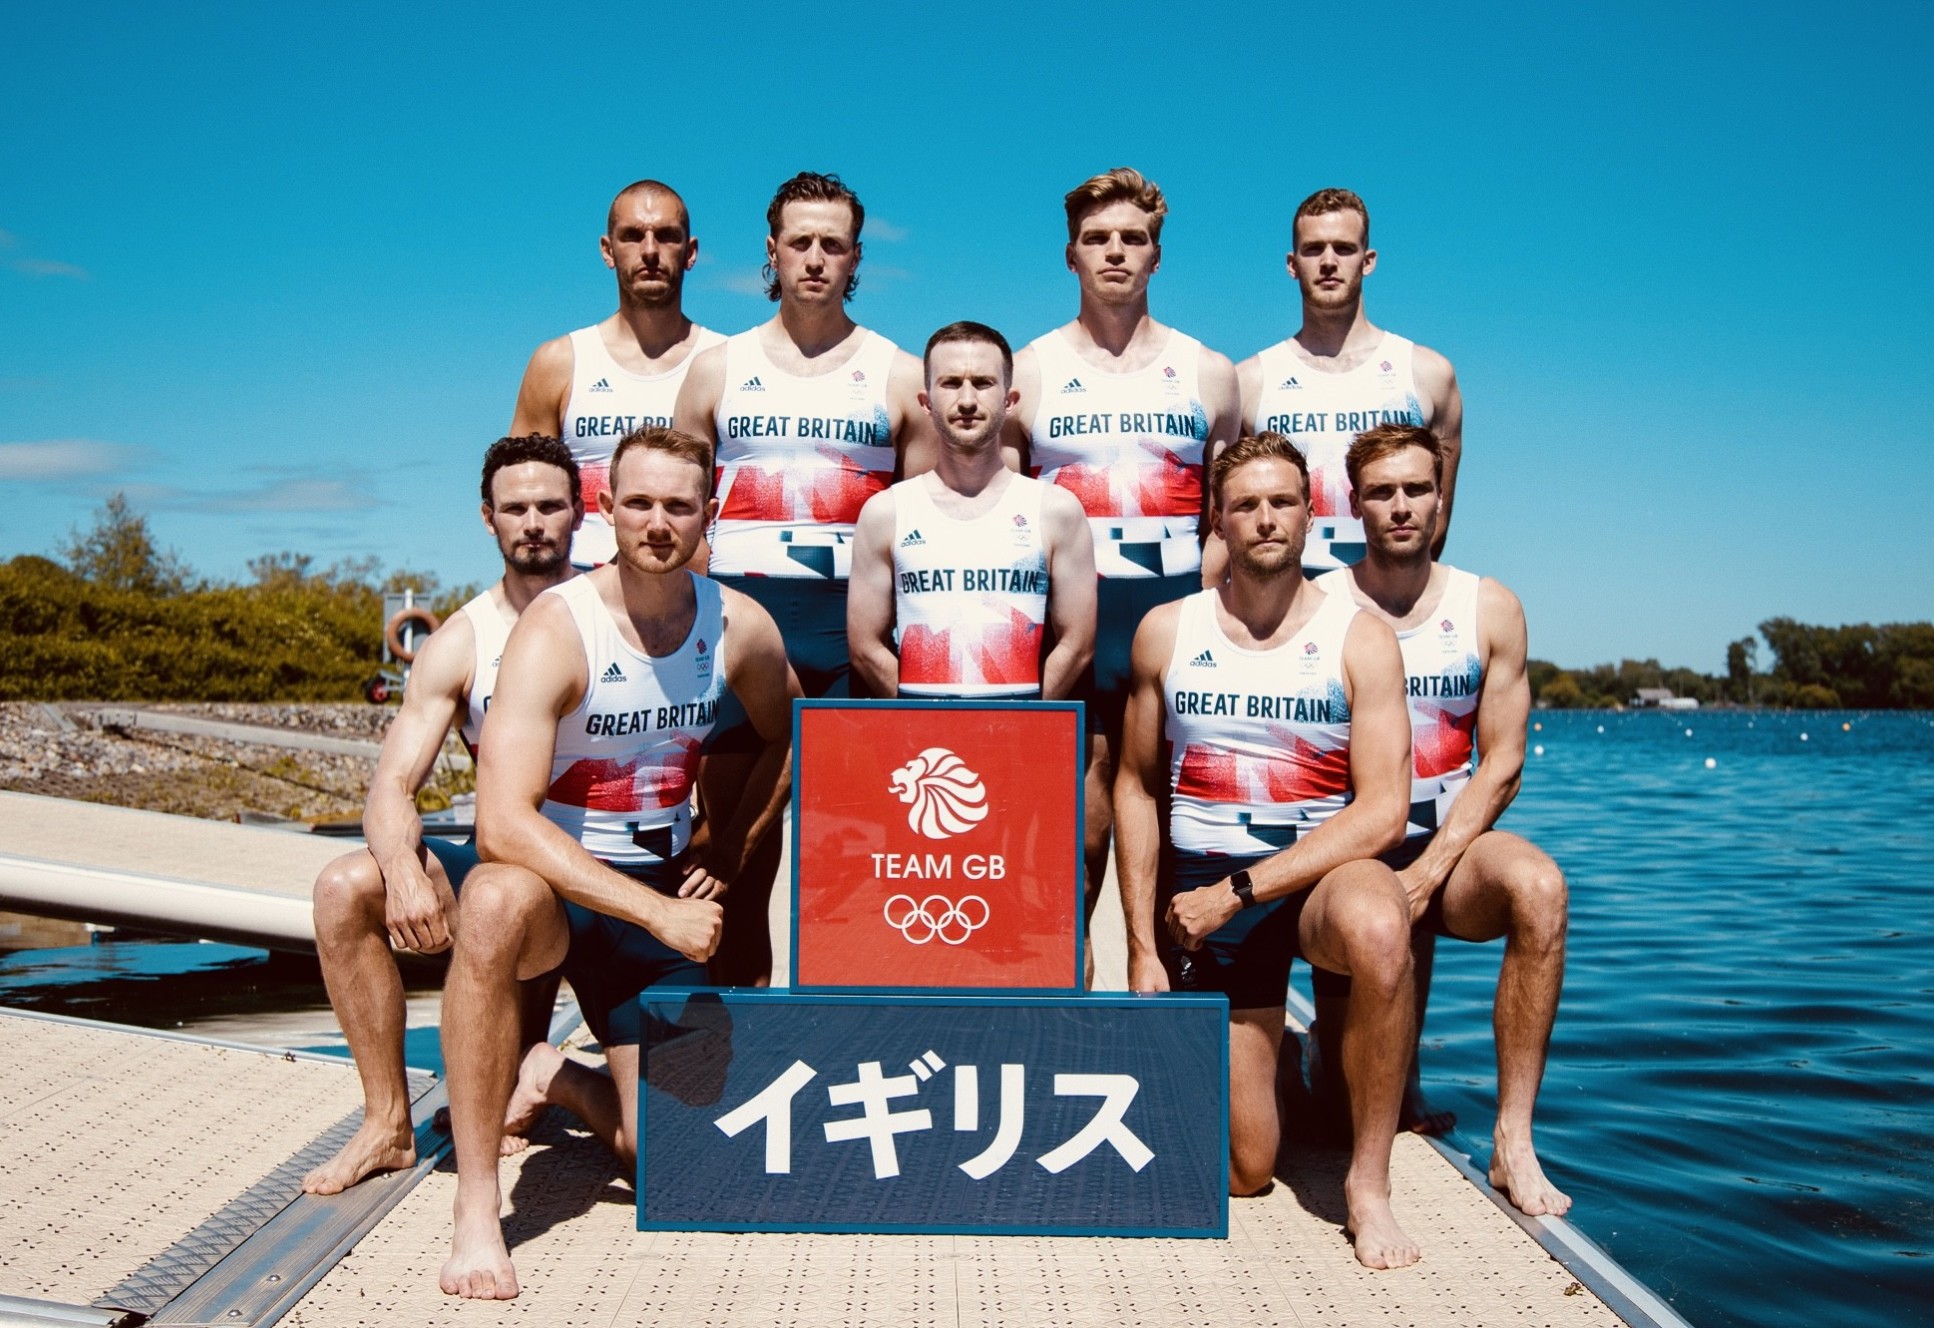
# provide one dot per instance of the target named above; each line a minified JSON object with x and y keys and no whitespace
{"x":1515,"y":1173}
{"x":479,"y":1266}
{"x":1373,"y":1230}
{"x":1420,"y":1117}
{"x":373,"y":1148}
{"x":529,"y":1099}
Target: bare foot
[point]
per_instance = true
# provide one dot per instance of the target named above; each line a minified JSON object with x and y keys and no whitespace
{"x":1419,"y":1117}
{"x":479,"y":1266}
{"x":1373,"y":1230}
{"x":530,"y":1099}
{"x":1516,"y":1174}
{"x":373,"y":1148}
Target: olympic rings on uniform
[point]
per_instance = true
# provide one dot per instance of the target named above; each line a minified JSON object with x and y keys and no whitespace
{"x":936,"y":915}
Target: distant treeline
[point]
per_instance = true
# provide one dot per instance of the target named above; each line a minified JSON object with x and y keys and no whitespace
{"x":1890,"y":667}
{"x":119,"y":619}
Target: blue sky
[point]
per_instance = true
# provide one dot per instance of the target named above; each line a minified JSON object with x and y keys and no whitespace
{"x":275,"y":272}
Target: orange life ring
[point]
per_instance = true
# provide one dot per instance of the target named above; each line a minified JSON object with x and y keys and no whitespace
{"x":393,"y":630}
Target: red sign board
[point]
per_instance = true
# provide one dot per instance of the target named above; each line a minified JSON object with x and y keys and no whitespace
{"x":936,"y":844}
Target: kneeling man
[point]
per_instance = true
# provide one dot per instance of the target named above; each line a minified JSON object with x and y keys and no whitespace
{"x":1463,"y":642}
{"x":609,"y":685}
{"x":958,"y":572}
{"x":1281,"y":710}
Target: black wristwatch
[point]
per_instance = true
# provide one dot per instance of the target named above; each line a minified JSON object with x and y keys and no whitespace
{"x":1244,"y":887}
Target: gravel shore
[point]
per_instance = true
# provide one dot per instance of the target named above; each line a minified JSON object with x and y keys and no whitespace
{"x":62,"y":751}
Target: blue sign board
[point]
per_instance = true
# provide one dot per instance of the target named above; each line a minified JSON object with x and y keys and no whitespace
{"x":1017,"y":1115}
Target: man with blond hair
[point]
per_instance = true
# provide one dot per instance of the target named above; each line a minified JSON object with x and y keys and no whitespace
{"x":1268,"y":720}
{"x":610,"y":684}
{"x":1464,"y":647}
{"x":1119,"y":409}
{"x":1341,"y":374}
{"x":599,"y":383}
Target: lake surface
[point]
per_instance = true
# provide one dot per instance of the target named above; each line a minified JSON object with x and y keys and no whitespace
{"x":1740,"y":1098}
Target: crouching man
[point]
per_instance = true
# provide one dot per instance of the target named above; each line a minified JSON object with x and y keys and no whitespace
{"x":609,"y":686}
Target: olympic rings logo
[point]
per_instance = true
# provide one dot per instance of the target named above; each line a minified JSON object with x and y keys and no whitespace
{"x":936,"y":915}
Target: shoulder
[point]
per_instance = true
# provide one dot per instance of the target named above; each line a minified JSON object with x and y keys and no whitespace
{"x":1215,"y":368}
{"x":877,"y":512}
{"x":444,"y":663}
{"x":1497,"y":604}
{"x":1155,"y":634}
{"x":747,"y":624}
{"x":1431,"y":370}
{"x":907,"y":370}
{"x":1368,"y":638}
{"x":553,"y":359}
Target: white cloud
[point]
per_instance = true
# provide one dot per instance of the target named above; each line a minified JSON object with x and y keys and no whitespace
{"x":879,"y":228}
{"x":742,"y":281}
{"x":293,"y":493}
{"x":47,"y":267}
{"x":64,"y":459}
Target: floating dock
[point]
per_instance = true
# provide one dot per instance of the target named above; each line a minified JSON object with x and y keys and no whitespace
{"x":150,"y":1178}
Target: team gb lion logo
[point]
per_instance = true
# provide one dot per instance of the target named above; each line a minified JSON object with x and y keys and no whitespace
{"x":944,"y":797}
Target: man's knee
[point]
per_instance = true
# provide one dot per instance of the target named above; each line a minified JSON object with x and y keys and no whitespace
{"x":1372,"y":927}
{"x":500,"y":903}
{"x":348,"y":895}
{"x":1540,"y":902}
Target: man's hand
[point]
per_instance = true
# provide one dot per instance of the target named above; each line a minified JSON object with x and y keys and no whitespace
{"x":691,"y":927}
{"x":1193,"y":915}
{"x":415,"y":912}
{"x":1146,"y":974}
{"x":1418,"y":887}
{"x":700,"y":883}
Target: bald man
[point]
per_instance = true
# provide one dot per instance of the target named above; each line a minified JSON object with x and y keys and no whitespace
{"x":599,"y":383}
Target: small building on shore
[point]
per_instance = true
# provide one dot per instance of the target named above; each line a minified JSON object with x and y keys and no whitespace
{"x":1661,"y":698}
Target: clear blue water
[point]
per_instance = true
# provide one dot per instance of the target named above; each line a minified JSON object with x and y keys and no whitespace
{"x":1740,"y":1096}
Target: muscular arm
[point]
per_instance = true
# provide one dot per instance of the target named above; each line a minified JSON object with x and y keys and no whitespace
{"x":699,"y":395}
{"x":1373,"y":682}
{"x":869,"y":600}
{"x":1248,"y":389}
{"x":757,"y":672}
{"x":1140,"y":783}
{"x":542,"y":678}
{"x":1071,"y":594}
{"x":914,"y":439}
{"x":1222,"y":397}
{"x":1504,"y":704}
{"x":1439,"y":381}
{"x":547,"y":382}
{"x":415,"y":912}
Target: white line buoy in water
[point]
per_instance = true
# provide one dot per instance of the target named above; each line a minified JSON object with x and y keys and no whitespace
{"x":1688,"y":733}
{"x":1539,"y":750}
{"x":1711,"y":764}
{"x":1803,"y":737}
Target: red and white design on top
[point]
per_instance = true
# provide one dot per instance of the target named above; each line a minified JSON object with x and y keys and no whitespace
{"x":797,"y":458}
{"x":970,"y":598}
{"x":1129,"y":447}
{"x":627,"y":757}
{"x":607,"y":401}
{"x":1259,"y":740}
{"x":1322,"y":413}
{"x":1443,"y":681}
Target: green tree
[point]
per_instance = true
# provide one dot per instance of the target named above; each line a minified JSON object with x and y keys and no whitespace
{"x":119,"y":552}
{"x":1742,"y":657}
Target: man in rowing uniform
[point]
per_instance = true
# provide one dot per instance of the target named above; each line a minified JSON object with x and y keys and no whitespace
{"x":599,"y":383}
{"x":1341,"y":374}
{"x":1463,"y":642}
{"x":400,"y":890}
{"x":1280,"y":710}
{"x":1118,"y":409}
{"x":808,"y":414}
{"x":958,"y":573}
{"x":609,"y":685}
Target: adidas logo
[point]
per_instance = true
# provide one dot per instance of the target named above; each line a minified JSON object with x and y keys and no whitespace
{"x":1203,"y":661}
{"x":1286,"y":384}
{"x":913,"y":538}
{"x":1072,"y":385}
{"x":613,"y":674}
{"x":602,"y":385}
{"x":752,"y":384}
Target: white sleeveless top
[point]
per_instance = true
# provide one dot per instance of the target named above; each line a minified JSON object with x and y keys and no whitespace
{"x":1443,"y":678}
{"x":1129,"y":446}
{"x":627,"y":757}
{"x":1322,"y":413}
{"x":489,"y":631}
{"x":606,"y":402}
{"x":1259,"y":740}
{"x":970,"y":598}
{"x":797,"y":459}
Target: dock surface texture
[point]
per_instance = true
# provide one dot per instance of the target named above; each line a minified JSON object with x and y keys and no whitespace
{"x":162,"y":1175}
